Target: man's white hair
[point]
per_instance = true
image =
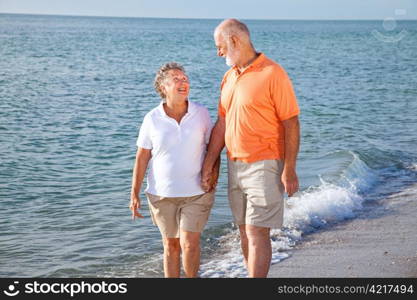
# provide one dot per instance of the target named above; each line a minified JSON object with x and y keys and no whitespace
{"x":233,"y":27}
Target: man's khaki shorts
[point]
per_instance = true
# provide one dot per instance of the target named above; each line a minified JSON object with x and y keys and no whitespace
{"x":256,"y":192}
{"x":171,"y":214}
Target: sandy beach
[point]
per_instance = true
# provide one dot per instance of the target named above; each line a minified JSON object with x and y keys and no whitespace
{"x":381,"y":242}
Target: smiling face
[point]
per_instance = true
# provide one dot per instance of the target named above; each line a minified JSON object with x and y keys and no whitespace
{"x":226,"y":49}
{"x":176,"y":85}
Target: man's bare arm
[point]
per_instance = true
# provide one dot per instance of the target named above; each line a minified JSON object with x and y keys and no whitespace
{"x":212,"y":158}
{"x":292,"y":145}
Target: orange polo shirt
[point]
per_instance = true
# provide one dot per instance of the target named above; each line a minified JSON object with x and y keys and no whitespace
{"x":254,"y":104}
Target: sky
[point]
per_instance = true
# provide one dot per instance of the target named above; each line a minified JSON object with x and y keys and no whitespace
{"x":220,"y":9}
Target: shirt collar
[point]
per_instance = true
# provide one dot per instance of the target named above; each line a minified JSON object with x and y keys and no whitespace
{"x":259,"y":60}
{"x":192,"y":107}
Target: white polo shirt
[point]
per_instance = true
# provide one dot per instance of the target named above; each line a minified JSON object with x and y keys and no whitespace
{"x":177,"y":150}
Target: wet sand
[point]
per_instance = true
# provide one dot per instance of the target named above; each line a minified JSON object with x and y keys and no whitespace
{"x":382,"y":242}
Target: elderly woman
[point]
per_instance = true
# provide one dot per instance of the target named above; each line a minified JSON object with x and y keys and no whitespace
{"x":173,"y":140}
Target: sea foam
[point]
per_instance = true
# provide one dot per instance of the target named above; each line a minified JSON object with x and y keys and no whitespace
{"x":313,"y":208}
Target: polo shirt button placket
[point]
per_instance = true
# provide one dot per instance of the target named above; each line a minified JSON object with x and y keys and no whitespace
{"x":178,"y":129}
{"x":181,"y":126}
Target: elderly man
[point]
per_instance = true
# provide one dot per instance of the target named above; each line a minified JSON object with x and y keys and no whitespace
{"x":258,"y":123}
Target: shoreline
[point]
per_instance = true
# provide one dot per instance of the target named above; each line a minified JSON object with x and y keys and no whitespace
{"x":381,"y":242}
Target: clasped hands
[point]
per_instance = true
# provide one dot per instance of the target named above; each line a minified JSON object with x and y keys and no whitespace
{"x":209,"y":177}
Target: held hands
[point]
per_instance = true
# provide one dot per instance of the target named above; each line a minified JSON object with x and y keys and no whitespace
{"x":290,"y":181}
{"x":213,"y":179}
{"x":209,"y":177}
{"x":206,"y":175}
{"x":134,"y":207}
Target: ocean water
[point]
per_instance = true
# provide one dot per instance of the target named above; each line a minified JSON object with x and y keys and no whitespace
{"x":73,"y":93}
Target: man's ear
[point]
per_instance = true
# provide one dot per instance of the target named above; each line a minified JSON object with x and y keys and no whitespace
{"x":235,"y":41}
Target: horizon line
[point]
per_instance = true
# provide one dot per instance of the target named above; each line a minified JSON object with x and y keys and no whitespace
{"x":191,"y":18}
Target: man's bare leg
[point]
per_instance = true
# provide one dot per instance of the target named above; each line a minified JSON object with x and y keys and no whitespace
{"x":244,"y":243}
{"x":259,"y":250}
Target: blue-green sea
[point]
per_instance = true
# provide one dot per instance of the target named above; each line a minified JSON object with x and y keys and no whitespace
{"x":74,"y":91}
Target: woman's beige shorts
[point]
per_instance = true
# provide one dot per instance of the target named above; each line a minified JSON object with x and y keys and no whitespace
{"x":256,"y":192}
{"x":171,"y":214}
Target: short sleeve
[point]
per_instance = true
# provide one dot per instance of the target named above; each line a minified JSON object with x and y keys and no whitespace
{"x":144,"y":141}
{"x":283,"y":96}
